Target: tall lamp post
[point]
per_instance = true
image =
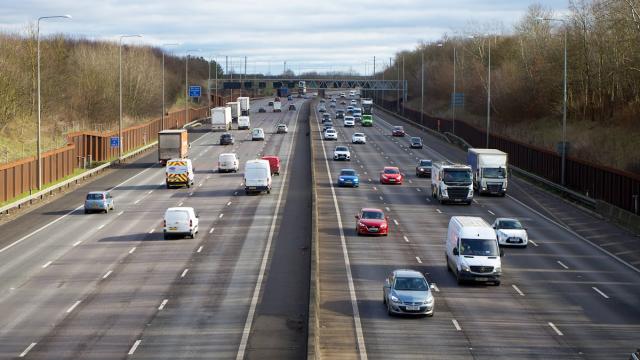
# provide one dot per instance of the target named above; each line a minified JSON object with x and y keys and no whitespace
{"x":163,"y":109}
{"x":38,"y":145}
{"x":120,"y":142}
{"x":564,"y":100}
{"x":489,"y":94}
{"x":186,"y":85}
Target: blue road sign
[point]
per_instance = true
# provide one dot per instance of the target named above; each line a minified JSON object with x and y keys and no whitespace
{"x":457,"y":99}
{"x":195,"y":91}
{"x":115,"y":141}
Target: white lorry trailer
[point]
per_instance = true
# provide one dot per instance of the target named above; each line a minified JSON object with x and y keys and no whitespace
{"x":489,"y":168}
{"x":451,"y":183}
{"x":367,"y":106}
{"x":277,"y":106}
{"x":221,"y":118}
{"x":244,"y":105}
{"x":235,"y":109}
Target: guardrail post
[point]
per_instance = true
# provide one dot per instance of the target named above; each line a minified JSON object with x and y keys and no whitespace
{"x":89,"y":162}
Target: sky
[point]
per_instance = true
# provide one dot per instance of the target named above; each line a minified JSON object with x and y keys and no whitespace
{"x":321,"y":35}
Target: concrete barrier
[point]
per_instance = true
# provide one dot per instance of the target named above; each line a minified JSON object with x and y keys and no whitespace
{"x":313,"y":343}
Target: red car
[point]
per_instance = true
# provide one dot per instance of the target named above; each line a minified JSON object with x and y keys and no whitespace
{"x":371,"y":221}
{"x":391,"y":175}
{"x":397,"y":131}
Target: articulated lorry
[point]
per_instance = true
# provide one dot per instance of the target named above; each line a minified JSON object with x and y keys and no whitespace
{"x":489,"y":167}
{"x":172,"y":144}
{"x":283,"y":91}
{"x":235,"y":110}
{"x":244,"y":105}
{"x":451,"y":183}
{"x":367,"y":106}
{"x":221,"y":118}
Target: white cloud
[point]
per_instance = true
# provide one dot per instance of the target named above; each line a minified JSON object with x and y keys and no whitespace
{"x":326,"y":34}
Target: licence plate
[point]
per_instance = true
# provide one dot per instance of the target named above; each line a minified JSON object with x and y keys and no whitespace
{"x":392,"y":180}
{"x":412,"y":308}
{"x":252,"y":187}
{"x":481,"y":279}
{"x":373,"y":229}
{"x":173,"y":228}
{"x":457,"y":199}
{"x":510,"y":240}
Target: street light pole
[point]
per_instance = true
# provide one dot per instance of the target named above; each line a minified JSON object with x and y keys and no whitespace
{"x":163,"y":108}
{"x":186,"y":86}
{"x":120,"y":142}
{"x":453,"y":105}
{"x":38,"y":145}
{"x":489,"y":94}
{"x":422,"y":88}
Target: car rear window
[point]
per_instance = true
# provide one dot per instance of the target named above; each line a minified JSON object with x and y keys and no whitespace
{"x":95,"y":197}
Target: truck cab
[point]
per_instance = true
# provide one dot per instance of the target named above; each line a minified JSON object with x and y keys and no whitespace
{"x":451,"y":183}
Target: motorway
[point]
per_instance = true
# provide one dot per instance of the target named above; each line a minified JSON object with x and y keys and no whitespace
{"x":107,"y":286}
{"x":560,"y":298}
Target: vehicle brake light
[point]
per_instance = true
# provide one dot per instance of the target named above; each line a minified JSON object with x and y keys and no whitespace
{"x":164,"y":223}
{"x":190,"y":223}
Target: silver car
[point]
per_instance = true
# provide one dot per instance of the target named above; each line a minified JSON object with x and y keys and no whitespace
{"x":98,"y":201}
{"x":408,"y":292}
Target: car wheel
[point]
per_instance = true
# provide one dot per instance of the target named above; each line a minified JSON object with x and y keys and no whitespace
{"x":168,"y":187}
{"x":268,"y":191}
{"x":389,"y":312}
{"x":165,"y":236}
{"x":458,"y":279}
{"x":497,"y":283}
{"x":86,"y":211}
{"x":446,"y":259}
{"x":384,"y":299}
{"x":430,"y":315}
{"x":106,"y":210}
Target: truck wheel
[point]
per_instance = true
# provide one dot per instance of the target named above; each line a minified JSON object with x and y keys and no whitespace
{"x":268,"y":191}
{"x":497,"y":283}
{"x":168,"y":187}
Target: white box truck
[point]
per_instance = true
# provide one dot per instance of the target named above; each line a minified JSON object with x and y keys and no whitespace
{"x":471,"y":250}
{"x":244,"y":123}
{"x":451,"y":183}
{"x":244,"y":105}
{"x":235,"y":109}
{"x":489,"y":168}
{"x":277,"y":106}
{"x":221,"y":118}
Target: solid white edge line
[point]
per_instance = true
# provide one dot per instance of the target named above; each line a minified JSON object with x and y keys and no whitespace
{"x":75,"y":304}
{"x":134,"y":347}
{"x":555,"y":329}
{"x":163,"y":303}
{"x":352,"y":292}
{"x":106,"y":275}
{"x":600,"y":292}
{"x":265,"y":256}
{"x":517,"y":290}
{"x":455,"y":323}
{"x":26,"y":351}
{"x":184,"y":273}
{"x":562,"y":264}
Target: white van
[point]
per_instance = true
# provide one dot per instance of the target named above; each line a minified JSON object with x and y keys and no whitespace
{"x":244,"y":123}
{"x":179,"y":172}
{"x":257,"y":176}
{"x":180,"y":221}
{"x":472,"y":250}
{"x":228,"y":162}
{"x":257,"y":134}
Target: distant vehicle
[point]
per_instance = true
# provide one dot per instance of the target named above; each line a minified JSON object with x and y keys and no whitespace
{"x":274,"y":163}
{"x":322,"y":109}
{"x":472,"y":251}
{"x":270,"y":103}
{"x":228,"y":162}
{"x":415,"y":142}
{"x":172,"y":144}
{"x":357,"y":118}
{"x":339,"y":114}
{"x":257,"y":134}
{"x":283,"y":91}
{"x":282,"y":129}
{"x":489,"y":169}
{"x":179,"y":172}
{"x":292,"y":106}
{"x":221,"y":118}
{"x":330,"y":134}
{"x":407,"y":292}
{"x":352,"y":94}
{"x":226,"y":139}
{"x":262,"y":110}
{"x":235,"y":109}
{"x":423,"y":169}
{"x":349,"y":121}
{"x":370,"y":221}
{"x":326,"y":117}
{"x":277,"y":106}
{"x":244,"y":123}
{"x":397,"y":131}
{"x":333,"y":100}
{"x":343,"y":102}
{"x":367,"y":120}
{"x":341,"y":153}
{"x":332,"y":105}
{"x":350,"y":107}
{"x":391,"y":175}
{"x":245,"y":105}
{"x":342,"y":95}
{"x":257,"y":176}
{"x":322,"y":101}
{"x":510,"y":232}
{"x":302,"y":87}
{"x":451,"y":183}
{"x":180,"y":221}
{"x":367,"y":106}
{"x":353,"y":102}
{"x":327,"y":125}
{"x":348,"y":177}
{"x":98,"y":201}
{"x":358,"y":138}
{"x":289,"y":98}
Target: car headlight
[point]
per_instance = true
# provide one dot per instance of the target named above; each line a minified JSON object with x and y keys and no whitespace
{"x":428,"y":301}
{"x":395,"y":299}
{"x":421,"y":169}
{"x":341,"y":179}
{"x":384,"y":176}
{"x":383,"y":226}
{"x":497,"y":270}
{"x":471,"y":192}
{"x":444,"y":192}
{"x":465,"y":267}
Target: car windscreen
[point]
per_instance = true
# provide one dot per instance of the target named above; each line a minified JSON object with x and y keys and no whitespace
{"x":399,"y":128}
{"x":94,"y":197}
{"x":425,"y":162}
{"x":509,"y":224}
{"x":494,"y":173}
{"x":391,"y":171}
{"x":341,"y":148}
{"x":415,"y":140}
{"x":478,"y":247}
{"x":372,"y":215}
{"x":347,"y":173}
{"x":411,"y":284}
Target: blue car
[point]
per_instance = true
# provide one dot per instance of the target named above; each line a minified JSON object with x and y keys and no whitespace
{"x":348,"y":177}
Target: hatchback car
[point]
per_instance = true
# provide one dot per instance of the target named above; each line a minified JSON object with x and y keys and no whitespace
{"x":326,"y":116}
{"x":341,"y":153}
{"x":397,"y":131}
{"x":340,"y":114}
{"x":510,"y":232}
{"x":180,"y":221}
{"x":415,"y":142}
{"x":327,"y":125}
{"x":353,"y":102}
{"x":262,"y":110}
{"x":423,"y":169}
{"x":330,"y":134}
{"x":370,"y":221}
{"x":270,"y":103}
{"x":349,"y":121}
{"x":292,"y":106}
{"x":282,"y":129}
{"x":226,"y":139}
{"x":407,"y":292}
{"x":98,"y":201}
{"x":322,"y":109}
{"x":343,"y":102}
{"x":257,"y":134}
{"x":358,"y":138}
{"x":391,"y":175}
{"x":348,"y":177}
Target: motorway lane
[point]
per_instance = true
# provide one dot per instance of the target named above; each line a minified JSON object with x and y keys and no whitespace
{"x":474,"y":307}
{"x":38,"y":310}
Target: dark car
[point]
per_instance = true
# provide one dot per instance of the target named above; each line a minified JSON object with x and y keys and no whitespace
{"x":270,"y":103}
{"x":262,"y":110}
{"x":292,"y":106}
{"x":327,"y":125}
{"x":339,"y":114}
{"x":423,"y":169}
{"x":397,"y":131}
{"x":415,"y":143}
{"x":226,"y":139}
